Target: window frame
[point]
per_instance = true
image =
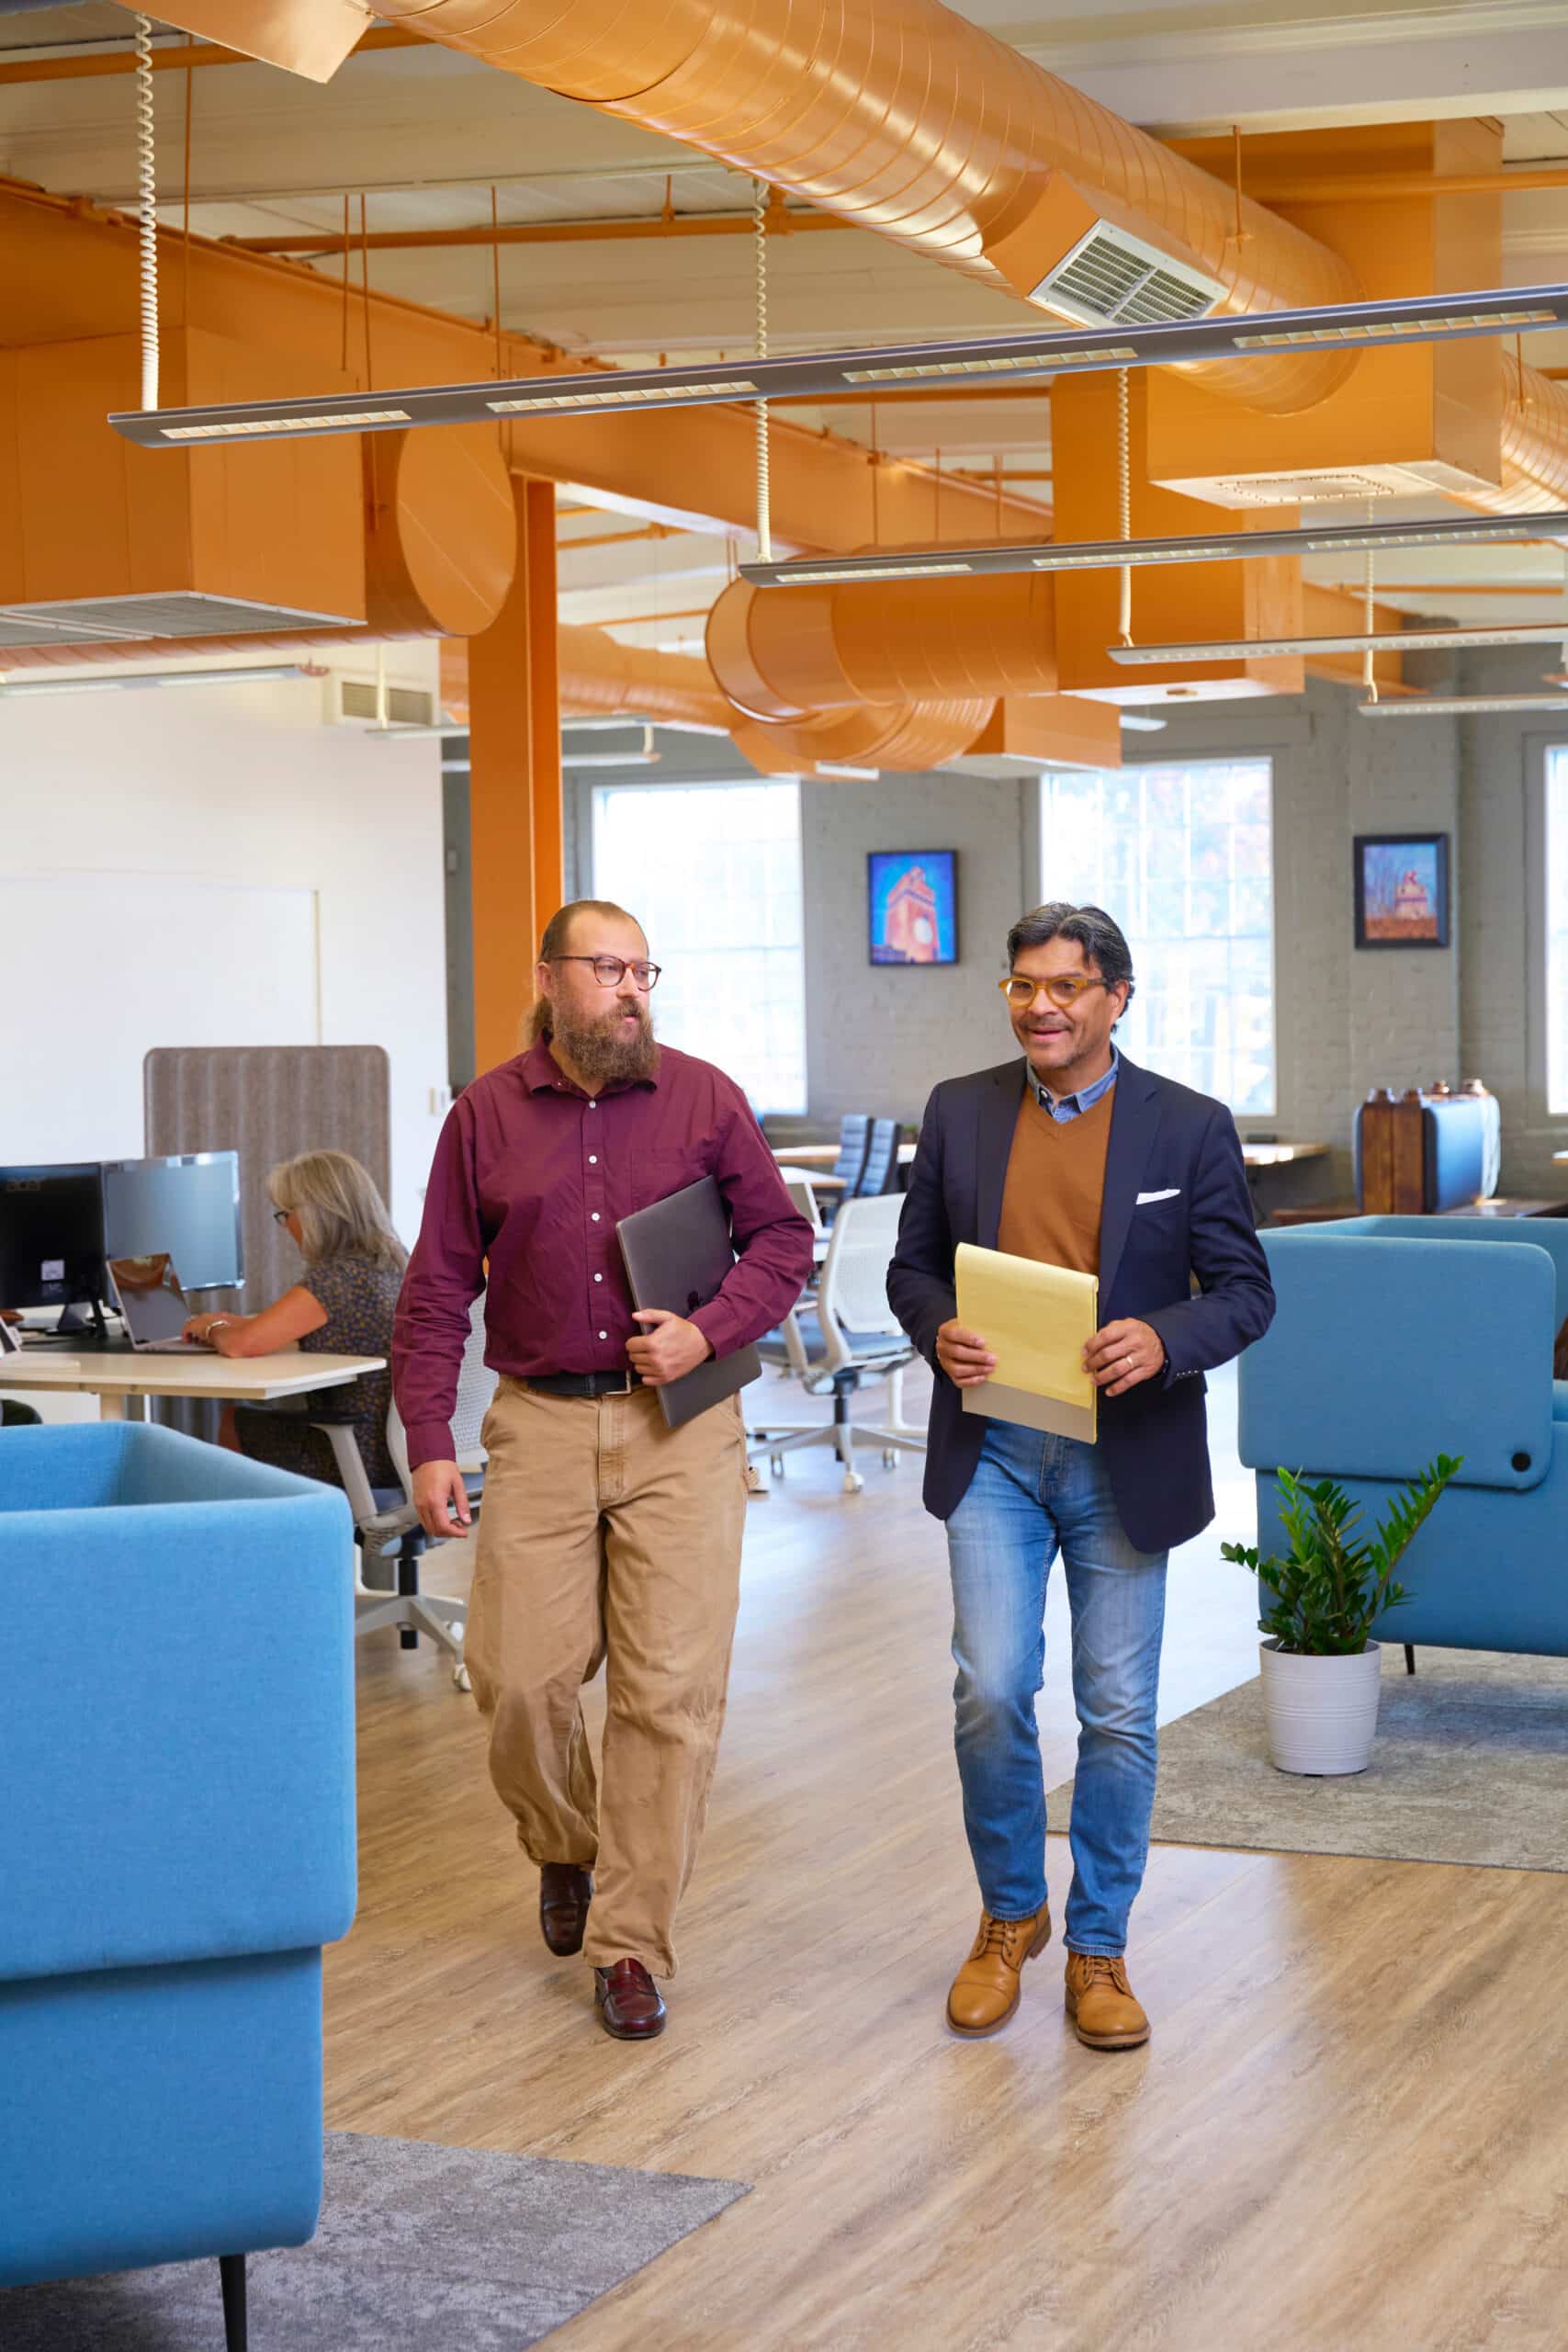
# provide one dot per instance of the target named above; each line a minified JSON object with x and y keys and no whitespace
{"x":1215,"y":755}
{"x":582,"y":878}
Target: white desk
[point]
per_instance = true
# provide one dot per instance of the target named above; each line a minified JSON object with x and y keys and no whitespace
{"x":123,"y":1380}
{"x":823,"y":1155}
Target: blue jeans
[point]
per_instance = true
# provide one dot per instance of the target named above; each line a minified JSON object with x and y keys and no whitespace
{"x":1032,"y":1497}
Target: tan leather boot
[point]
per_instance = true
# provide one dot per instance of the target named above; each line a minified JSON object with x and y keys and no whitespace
{"x":985,"y":1989}
{"x":1100,"y":2002}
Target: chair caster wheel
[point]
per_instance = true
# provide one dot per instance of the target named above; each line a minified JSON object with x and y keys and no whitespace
{"x":776,"y":1465}
{"x":461,"y":1679}
{"x":890,"y":1457}
{"x":854,"y":1482}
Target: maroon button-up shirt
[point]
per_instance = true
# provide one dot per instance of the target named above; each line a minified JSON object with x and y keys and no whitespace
{"x":532,"y":1175}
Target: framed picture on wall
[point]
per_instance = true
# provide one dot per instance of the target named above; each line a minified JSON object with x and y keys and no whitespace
{"x":1401,"y":889}
{"x":913,"y":897}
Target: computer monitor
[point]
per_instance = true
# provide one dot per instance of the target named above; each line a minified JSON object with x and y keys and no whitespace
{"x":52,"y":1239}
{"x":187,"y":1204}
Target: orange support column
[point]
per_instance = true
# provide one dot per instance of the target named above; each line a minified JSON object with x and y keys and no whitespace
{"x":515,"y":805}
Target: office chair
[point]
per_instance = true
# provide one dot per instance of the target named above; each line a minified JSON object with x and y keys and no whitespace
{"x":881,"y":1172}
{"x":802,"y":1192}
{"x":847,"y":1338}
{"x":855,"y":1142}
{"x":386,"y":1524}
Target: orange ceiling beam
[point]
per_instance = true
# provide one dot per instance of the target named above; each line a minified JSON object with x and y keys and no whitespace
{"x":188,"y":57}
{"x":68,"y":273}
{"x":542,"y":233}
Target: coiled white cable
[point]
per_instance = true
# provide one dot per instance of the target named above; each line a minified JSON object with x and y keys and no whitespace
{"x":1368,"y":623}
{"x":764,"y":516}
{"x":147,"y":186}
{"x":1124,"y":490}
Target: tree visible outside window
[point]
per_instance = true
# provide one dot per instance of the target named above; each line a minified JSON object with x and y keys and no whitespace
{"x":1182,"y":856}
{"x":712,"y":872}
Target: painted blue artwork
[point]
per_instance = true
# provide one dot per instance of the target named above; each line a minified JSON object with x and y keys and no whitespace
{"x":1402,"y":893}
{"x":914,"y":906}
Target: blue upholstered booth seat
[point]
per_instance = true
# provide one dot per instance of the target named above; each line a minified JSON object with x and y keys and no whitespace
{"x":1397,"y":1340}
{"x":176,"y":1844}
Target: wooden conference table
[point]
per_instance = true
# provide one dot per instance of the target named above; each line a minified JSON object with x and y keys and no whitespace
{"x":123,"y":1380}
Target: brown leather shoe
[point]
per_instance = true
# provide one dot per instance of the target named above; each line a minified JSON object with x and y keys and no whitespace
{"x":628,"y":2001}
{"x":985,"y":1989}
{"x":1100,"y":2002}
{"x":565,"y":1889}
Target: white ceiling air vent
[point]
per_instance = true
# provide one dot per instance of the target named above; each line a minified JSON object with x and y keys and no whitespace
{"x":1305,"y":486}
{"x":355,"y":702}
{"x":183,"y":614}
{"x":1112,"y":280}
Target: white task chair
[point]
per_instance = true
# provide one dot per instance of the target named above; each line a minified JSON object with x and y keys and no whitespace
{"x":847,"y":1337}
{"x":387,"y":1529}
{"x":803,"y":1195}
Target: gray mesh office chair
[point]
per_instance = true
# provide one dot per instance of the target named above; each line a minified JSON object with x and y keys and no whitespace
{"x":386,"y":1524}
{"x":845,"y":1338}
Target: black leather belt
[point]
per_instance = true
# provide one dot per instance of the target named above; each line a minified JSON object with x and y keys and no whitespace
{"x":585,"y":1384}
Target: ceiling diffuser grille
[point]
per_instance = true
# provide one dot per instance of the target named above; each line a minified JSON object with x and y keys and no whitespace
{"x":92,"y":619}
{"x":1112,"y":280}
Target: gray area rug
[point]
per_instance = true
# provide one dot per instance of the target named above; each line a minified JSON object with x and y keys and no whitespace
{"x":1469,"y":1765}
{"x":420,"y":2249}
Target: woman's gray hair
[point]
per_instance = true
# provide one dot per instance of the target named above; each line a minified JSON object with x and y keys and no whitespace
{"x":341,"y":1213}
{"x":1101,"y":938}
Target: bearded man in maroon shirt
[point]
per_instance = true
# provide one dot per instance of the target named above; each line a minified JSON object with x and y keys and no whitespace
{"x":604,"y":1535}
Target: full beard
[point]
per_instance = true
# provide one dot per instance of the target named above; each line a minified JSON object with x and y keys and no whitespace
{"x":601,"y":1055}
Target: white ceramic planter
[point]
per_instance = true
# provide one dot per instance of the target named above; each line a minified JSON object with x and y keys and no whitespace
{"x":1320,"y":1712}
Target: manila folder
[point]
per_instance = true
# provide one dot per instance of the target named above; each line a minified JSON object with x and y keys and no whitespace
{"x":1036,"y":1320}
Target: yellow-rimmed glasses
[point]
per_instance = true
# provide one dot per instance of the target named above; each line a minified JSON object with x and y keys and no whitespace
{"x":1064,"y":989}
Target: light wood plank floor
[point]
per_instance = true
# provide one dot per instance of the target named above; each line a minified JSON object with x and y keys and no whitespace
{"x":1347,"y":2135}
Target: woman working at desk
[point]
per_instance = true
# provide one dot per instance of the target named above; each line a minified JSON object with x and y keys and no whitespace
{"x":343,"y":1305}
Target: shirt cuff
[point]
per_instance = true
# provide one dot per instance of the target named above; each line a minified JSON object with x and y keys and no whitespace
{"x":428,"y":1442}
{"x":718,"y":1326}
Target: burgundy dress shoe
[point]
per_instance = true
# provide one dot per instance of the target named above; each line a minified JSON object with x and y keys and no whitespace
{"x":565,"y":1889}
{"x":628,"y":2001}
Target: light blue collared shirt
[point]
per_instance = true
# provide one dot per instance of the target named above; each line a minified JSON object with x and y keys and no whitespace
{"x":1065,"y":1108}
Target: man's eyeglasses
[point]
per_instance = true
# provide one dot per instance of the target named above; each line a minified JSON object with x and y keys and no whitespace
{"x":609,"y":971}
{"x":1063,"y":990}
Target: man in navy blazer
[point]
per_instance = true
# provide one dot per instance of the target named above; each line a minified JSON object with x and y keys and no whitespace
{"x":1076,"y":1157}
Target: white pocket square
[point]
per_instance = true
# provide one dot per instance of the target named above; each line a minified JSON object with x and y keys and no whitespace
{"x":1144,"y":1199}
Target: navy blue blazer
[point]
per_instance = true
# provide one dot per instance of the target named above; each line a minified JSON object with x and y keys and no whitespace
{"x":1165,"y":1141}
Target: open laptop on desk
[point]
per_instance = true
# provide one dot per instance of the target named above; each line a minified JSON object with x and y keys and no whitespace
{"x":154,"y":1305}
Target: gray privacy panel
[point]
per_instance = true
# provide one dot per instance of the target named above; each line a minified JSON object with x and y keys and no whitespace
{"x":267,"y":1103}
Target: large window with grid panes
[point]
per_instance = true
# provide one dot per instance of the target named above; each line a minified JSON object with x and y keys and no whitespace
{"x":1182,"y":856}
{"x":713,"y":873}
{"x":1557,"y":929}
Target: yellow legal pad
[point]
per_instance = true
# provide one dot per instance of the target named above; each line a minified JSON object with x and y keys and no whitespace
{"x":1036,"y":1320}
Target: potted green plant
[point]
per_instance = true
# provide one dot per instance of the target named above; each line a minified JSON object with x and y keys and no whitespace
{"x":1321,"y":1670}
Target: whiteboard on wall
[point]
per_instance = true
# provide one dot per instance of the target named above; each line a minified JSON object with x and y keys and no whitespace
{"x":96,"y":968}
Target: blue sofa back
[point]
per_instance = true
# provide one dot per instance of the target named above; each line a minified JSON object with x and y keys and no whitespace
{"x":1395,"y":1340}
{"x":178,"y":1740}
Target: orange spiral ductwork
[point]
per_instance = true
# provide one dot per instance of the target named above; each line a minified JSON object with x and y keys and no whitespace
{"x":910,"y":121}
{"x":599,"y":675}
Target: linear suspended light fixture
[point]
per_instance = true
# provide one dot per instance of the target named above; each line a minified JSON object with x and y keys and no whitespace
{"x":1265,"y":333}
{"x":1398,"y":640}
{"x":1463,"y":706}
{"x":1111,"y":554}
{"x":262,"y":673}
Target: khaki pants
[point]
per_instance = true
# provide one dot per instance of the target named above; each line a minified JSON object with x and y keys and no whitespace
{"x":604,"y":1535}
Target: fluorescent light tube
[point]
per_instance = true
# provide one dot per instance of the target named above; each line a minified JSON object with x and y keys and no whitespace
{"x":809,"y":375}
{"x":1462,"y":706}
{"x":1114,"y":555}
{"x":121,"y":681}
{"x":1399,"y":640}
